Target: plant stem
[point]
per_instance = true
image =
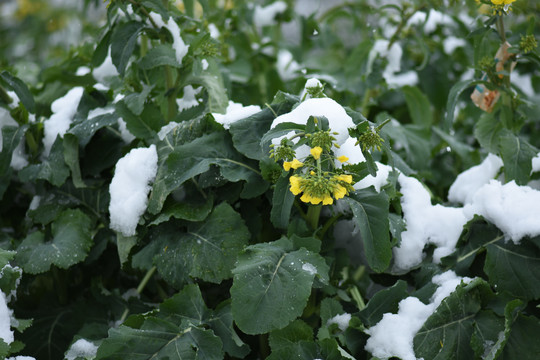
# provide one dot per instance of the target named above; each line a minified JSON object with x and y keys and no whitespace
{"x":500,"y":29}
{"x":313,"y":215}
{"x":140,"y":289}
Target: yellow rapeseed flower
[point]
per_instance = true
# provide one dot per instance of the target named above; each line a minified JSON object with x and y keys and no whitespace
{"x":295,"y":184}
{"x":502,"y":2}
{"x":316,"y":152}
{"x":295,"y":164}
{"x":346,"y":178}
{"x":343,"y":158}
{"x":340,"y":192}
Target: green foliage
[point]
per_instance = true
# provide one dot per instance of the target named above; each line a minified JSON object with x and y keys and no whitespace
{"x":226,"y":261}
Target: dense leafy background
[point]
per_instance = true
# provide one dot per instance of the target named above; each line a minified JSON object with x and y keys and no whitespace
{"x":217,"y":268}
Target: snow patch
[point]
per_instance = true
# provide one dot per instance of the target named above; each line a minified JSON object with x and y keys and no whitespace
{"x":394,"y":334}
{"x":309,"y":268}
{"x":81,"y":348}
{"x":130,"y":187}
{"x":235,"y":112}
{"x":265,"y":15}
{"x":342,"y":321}
{"x":179,"y":46}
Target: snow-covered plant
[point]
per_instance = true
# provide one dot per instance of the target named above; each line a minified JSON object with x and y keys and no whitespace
{"x":299,"y":179}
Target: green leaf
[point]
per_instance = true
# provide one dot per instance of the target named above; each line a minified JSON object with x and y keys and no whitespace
{"x":207,"y":251}
{"x":54,"y":169}
{"x":415,"y":141}
{"x":11,"y":137}
{"x":370,"y":214}
{"x":487,"y":131}
{"x":85,"y":129}
{"x":160,"y":341}
{"x":282,"y":201}
{"x":161,"y":55}
{"x":247,"y":133}
{"x":123,"y":41}
{"x":523,"y":341}
{"x":139,"y":126}
{"x":384,"y":301}
{"x":212,"y":81}
{"x":272,"y":284}
{"x":293,"y":342}
{"x":136,"y":101}
{"x":21,"y":90}
{"x":194,"y":158}
{"x":517,"y":155}
{"x":514,"y":268}
{"x":124,"y":244}
{"x":221,"y":323}
{"x":70,"y":244}
{"x":453,"y":98}
{"x":187,"y":209}
{"x":71,"y":158}
{"x":418,"y":105}
{"x":463,"y":150}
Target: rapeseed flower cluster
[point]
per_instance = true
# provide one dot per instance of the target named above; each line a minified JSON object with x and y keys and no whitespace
{"x":501,"y":6}
{"x":316,"y":177}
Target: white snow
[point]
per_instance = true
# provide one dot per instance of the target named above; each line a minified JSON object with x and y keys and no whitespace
{"x":426,"y":224}
{"x":350,"y":150}
{"x":535,"y":164}
{"x":81,"y":348}
{"x":214,"y":31}
{"x":179,"y":46}
{"x":434,"y":19}
{"x":394,"y":334}
{"x":313,"y":83}
{"x":309,"y":268}
{"x":166,"y":129}
{"x":130,"y":187}
{"x":5,"y":321}
{"x":524,"y":83}
{"x":512,"y":208}
{"x":189,"y":99}
{"x":342,"y":321}
{"x":124,"y":132}
{"x":468,"y":182}
{"x":105,"y":70}
{"x":393,"y":55}
{"x":21,"y":358}
{"x":451,"y":43}
{"x":235,"y":112}
{"x":287,"y":67}
{"x":265,"y":15}
{"x":339,"y":121}
{"x":204,"y":64}
{"x":378,"y":181}
{"x":63,"y":110}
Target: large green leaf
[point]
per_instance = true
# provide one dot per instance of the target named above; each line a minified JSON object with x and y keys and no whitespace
{"x":85,"y":129}
{"x":418,"y":105}
{"x":140,"y":126}
{"x":160,"y":340}
{"x":53,"y":169}
{"x":282,"y":202}
{"x":446,"y":334}
{"x":71,"y":158}
{"x":517,"y":155}
{"x":188,"y":307}
{"x":160,"y":55}
{"x":123,"y":41}
{"x":384,"y":301}
{"x":247,"y":133}
{"x":194,"y":158}
{"x":272,"y":283}
{"x":69,"y":245}
{"x":453,"y":98}
{"x":293,"y":342}
{"x":208,"y":250}
{"x":514,"y":268}
{"x":21,"y":90}
{"x":487,"y":131}
{"x":370,"y":214}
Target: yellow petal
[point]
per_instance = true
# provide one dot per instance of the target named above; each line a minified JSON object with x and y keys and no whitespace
{"x":343,"y":158}
{"x":295,"y":164}
{"x":316,"y":152}
{"x":346,"y":178}
{"x":340,"y":192}
{"x":328,"y":200}
{"x":295,"y":185}
{"x":287,"y":165}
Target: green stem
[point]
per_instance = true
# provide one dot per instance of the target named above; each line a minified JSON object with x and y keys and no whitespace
{"x":171,"y":93}
{"x":500,"y":29}
{"x":313,"y":215}
{"x":327,"y":225}
{"x":140,"y":289}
